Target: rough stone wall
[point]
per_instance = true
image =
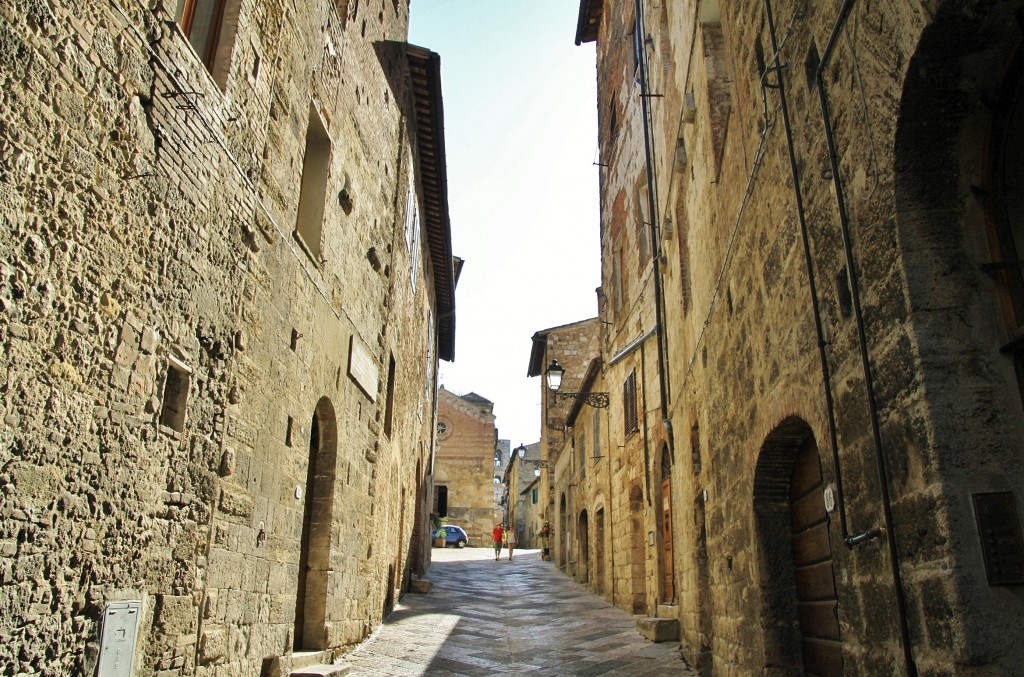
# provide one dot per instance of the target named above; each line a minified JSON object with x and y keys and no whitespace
{"x":628,"y":269}
{"x":573,"y":346}
{"x":148,"y":214}
{"x":465,"y":463}
{"x":911,"y":140}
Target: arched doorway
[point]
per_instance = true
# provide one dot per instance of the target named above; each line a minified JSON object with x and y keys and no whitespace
{"x":599,"y":568}
{"x":637,"y":552}
{"x":583,"y":541}
{"x":419,"y":527}
{"x":958,"y":164}
{"x":563,"y":534}
{"x":315,"y":544}
{"x":667,"y":567}
{"x":799,"y":604}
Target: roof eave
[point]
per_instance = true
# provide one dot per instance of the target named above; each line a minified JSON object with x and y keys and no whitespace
{"x":428,"y":114}
{"x":589,"y":20}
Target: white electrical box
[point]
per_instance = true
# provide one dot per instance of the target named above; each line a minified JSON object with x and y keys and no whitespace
{"x":117,"y":639}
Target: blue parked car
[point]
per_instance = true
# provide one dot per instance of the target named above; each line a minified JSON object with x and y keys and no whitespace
{"x":454,"y":535}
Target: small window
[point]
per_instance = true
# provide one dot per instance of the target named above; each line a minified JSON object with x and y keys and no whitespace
{"x":581,"y":451}
{"x":533,"y":496}
{"x":412,"y":233}
{"x":313,"y":192}
{"x":172,"y":414}
{"x":441,"y":501}
{"x":210,"y":26}
{"x":597,"y":435}
{"x":629,"y":405}
{"x":389,"y":407}
{"x":643,"y":224}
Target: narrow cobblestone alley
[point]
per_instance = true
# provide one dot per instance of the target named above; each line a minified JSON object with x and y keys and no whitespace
{"x":483,"y":617}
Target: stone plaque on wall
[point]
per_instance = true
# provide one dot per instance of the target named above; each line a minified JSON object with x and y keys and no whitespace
{"x":1001,"y":542}
{"x":362,"y":369}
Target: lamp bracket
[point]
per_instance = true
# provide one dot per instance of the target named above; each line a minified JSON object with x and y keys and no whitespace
{"x":596,"y":400}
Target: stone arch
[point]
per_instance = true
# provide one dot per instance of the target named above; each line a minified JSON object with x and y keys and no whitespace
{"x":562,"y":539}
{"x":583,"y":546}
{"x":963,"y":281}
{"x":794,"y":560}
{"x":317,"y":518}
{"x":637,"y":552}
{"x":600,"y":536}
{"x":666,"y":558}
{"x":958,"y":140}
{"x":419,"y":526}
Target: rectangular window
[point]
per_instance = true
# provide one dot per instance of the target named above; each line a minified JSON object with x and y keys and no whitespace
{"x":389,"y":406}
{"x":629,"y":417}
{"x":643,"y":225}
{"x":313,"y":193}
{"x":430,"y":354}
{"x":176,"y":385}
{"x":638,"y":46}
{"x":533,"y":496}
{"x":412,"y":232}
{"x":200,"y":21}
{"x":597,"y":435}
{"x":210,"y":27}
{"x":581,"y":450}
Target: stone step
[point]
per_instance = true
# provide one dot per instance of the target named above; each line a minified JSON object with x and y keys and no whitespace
{"x":658,"y":629}
{"x":293,"y":663}
{"x":322,"y":670}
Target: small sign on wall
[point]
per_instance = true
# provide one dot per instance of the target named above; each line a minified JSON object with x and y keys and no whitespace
{"x":362,"y":369}
{"x":1001,"y":544}
{"x":117,"y":639}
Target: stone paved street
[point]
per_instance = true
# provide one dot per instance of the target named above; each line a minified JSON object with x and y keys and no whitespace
{"x":483,"y":617}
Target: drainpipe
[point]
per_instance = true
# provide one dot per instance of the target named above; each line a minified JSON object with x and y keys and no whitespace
{"x":826,"y":379}
{"x":647,"y":442}
{"x":652,"y":206}
{"x":611,"y":504}
{"x":844,"y":222}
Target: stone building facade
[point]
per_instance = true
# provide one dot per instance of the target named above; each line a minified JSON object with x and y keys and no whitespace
{"x":810,"y":229}
{"x":227,"y":280}
{"x":517,"y":479}
{"x":467,"y":464}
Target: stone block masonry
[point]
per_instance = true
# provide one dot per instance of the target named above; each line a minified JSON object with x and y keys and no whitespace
{"x":179,"y":426}
{"x":838,"y":309}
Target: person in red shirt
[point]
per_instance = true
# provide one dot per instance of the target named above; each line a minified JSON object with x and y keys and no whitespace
{"x":497,"y":533}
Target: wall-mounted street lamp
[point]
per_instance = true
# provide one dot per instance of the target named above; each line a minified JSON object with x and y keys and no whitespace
{"x":537,"y":464}
{"x":554,"y":375}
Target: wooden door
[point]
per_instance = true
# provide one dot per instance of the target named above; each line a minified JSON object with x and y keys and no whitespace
{"x":668,"y":593}
{"x":817,"y":603}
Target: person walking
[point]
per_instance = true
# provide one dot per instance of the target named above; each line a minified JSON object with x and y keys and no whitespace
{"x":498,"y":533}
{"x":511,"y":540}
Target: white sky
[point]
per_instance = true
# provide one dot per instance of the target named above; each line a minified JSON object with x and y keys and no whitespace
{"x":520,"y":113}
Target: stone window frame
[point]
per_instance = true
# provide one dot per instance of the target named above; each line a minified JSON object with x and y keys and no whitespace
{"x":174,"y":405}
{"x":316,"y":174}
